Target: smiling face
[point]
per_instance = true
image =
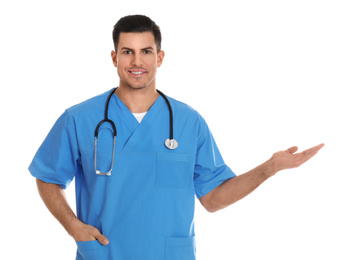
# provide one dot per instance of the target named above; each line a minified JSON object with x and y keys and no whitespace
{"x":137,"y":60}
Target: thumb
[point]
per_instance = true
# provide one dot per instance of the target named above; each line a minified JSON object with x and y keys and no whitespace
{"x":292,"y":150}
{"x":102,"y":239}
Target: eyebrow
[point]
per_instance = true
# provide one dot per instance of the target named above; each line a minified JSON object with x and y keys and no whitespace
{"x":143,"y":49}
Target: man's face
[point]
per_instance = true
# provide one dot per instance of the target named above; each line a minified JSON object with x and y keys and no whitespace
{"x":137,"y":60}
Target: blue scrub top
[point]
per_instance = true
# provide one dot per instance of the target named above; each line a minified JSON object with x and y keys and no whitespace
{"x":146,"y":207}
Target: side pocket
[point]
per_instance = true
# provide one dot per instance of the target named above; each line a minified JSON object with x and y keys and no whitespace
{"x":180,"y":248}
{"x":92,"y":250}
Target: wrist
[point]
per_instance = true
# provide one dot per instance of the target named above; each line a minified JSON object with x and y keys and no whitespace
{"x":268,"y":168}
{"x":74,"y":227}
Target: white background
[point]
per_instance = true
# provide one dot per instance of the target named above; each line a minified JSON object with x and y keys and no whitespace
{"x":266,"y":75}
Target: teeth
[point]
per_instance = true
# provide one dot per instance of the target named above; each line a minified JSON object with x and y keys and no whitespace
{"x":137,"y":72}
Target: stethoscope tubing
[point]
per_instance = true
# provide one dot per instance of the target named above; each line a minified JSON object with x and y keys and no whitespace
{"x":106,"y":119}
{"x":170,"y":112}
{"x":170,"y":143}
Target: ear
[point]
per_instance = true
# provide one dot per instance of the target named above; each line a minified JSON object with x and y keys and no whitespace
{"x":114,"y":58}
{"x":161,"y":55}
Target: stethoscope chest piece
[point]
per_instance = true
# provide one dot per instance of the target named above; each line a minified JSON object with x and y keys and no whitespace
{"x":171,"y":144}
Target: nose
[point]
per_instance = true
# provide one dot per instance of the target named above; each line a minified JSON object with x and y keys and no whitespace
{"x":137,"y":60}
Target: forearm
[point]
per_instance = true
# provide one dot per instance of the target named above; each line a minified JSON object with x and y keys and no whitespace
{"x":236,"y":188}
{"x":55,"y":200}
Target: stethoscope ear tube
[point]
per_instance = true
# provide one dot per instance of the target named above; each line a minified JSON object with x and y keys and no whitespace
{"x":112,"y":162}
{"x":106,"y":119}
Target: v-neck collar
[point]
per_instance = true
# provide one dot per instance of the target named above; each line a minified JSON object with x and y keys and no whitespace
{"x":136,"y":128}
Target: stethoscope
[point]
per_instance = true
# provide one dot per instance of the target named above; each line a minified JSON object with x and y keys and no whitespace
{"x":170,"y":143}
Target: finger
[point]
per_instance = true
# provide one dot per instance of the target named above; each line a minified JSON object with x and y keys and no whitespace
{"x":318,"y":147}
{"x":309,"y":153}
{"x":292,"y":150}
{"x":102,"y":239}
{"x":97,"y":235}
{"x":312,"y":151}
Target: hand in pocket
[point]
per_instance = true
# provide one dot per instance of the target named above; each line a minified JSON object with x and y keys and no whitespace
{"x":83,"y":232}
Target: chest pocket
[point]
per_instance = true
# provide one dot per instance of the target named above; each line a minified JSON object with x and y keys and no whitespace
{"x":174,"y":170}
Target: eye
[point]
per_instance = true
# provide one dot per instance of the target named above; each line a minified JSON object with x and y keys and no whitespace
{"x":127,"y":52}
{"x":147,"y":51}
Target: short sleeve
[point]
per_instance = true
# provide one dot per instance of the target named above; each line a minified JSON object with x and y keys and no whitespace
{"x":210,"y":170}
{"x":56,"y":161}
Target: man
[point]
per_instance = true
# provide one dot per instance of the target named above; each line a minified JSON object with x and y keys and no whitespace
{"x":142,"y":208}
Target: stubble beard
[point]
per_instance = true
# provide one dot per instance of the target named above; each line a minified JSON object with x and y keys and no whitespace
{"x":138,"y":87}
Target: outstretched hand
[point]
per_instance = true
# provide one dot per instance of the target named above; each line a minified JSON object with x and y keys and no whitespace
{"x":290,"y":159}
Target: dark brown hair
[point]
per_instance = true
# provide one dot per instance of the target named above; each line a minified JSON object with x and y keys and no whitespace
{"x":138,"y":24}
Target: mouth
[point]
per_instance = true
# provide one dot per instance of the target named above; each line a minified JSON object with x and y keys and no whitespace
{"x":137,"y":72}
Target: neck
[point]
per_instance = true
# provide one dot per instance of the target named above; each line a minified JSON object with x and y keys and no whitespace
{"x":137,"y":100}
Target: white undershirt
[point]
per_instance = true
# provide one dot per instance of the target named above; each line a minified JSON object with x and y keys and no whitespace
{"x":139,"y":116}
